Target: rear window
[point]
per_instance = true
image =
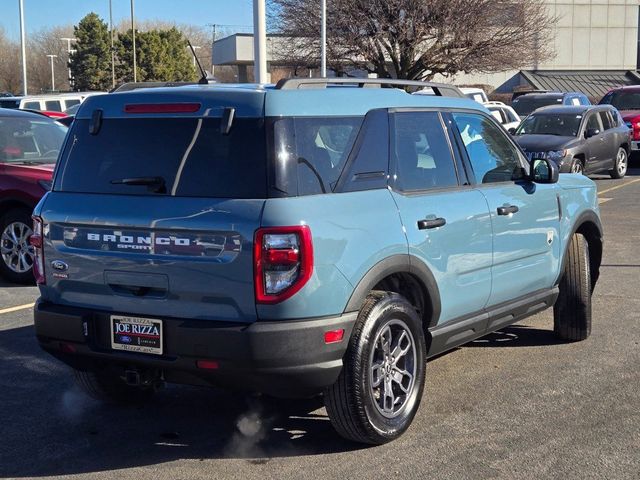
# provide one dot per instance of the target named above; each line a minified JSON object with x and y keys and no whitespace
{"x":9,"y":103}
{"x":190,"y":156}
{"x":30,"y":141}
{"x":525,"y":105}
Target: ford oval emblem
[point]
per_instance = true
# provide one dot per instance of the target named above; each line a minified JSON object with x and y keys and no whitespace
{"x":59,"y":265}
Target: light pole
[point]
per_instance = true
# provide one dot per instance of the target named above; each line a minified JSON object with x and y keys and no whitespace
{"x":213,"y":40}
{"x":69,"y":51}
{"x":53,"y":83}
{"x":133,"y":35}
{"x":195,"y":47}
{"x":323,"y":38}
{"x":113,"y":55}
{"x":259,"y":42}
{"x":24,"y":51}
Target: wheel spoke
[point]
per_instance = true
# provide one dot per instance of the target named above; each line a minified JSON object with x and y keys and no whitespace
{"x":385,"y":341}
{"x":377,"y":374}
{"x":399,"y":350}
{"x":403,"y":379}
{"x":388,"y":399}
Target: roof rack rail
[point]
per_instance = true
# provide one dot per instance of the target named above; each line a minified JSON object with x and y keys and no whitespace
{"x":439,"y":89}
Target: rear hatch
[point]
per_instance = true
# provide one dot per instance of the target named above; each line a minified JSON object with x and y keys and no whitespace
{"x":154,"y":206}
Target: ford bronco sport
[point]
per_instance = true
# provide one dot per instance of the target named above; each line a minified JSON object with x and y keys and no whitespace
{"x":299,"y":239}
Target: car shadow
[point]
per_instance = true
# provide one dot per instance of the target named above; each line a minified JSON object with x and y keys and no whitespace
{"x":6,"y":284}
{"x":517,"y":336}
{"x":50,"y":428}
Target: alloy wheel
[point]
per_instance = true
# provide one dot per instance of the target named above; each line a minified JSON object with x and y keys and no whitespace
{"x":392,"y":368}
{"x":621,"y":162}
{"x":16,"y":252}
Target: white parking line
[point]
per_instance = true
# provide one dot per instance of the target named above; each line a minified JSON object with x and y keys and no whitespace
{"x":17,"y":308}
{"x":602,"y":200}
{"x":619,"y":186}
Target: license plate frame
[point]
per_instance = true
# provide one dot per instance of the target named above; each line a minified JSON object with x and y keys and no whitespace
{"x":137,"y":334}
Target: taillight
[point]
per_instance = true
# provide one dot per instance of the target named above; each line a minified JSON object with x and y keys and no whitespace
{"x":37,"y":242}
{"x":283,"y":262}
{"x":635,"y":128}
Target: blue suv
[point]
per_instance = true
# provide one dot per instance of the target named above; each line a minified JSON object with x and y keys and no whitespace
{"x":316,"y":236}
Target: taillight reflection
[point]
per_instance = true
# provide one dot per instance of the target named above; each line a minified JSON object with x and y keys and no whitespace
{"x":37,"y":242}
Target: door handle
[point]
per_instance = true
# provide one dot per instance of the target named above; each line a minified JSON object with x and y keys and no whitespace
{"x":425,"y":223}
{"x":507,"y":209}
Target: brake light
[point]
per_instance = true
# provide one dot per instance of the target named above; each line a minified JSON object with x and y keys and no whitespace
{"x":36,"y":241}
{"x":635,"y":128}
{"x":161,"y":107}
{"x":283,"y":262}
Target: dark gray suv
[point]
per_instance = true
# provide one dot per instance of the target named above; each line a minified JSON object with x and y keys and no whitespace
{"x":580,"y":139}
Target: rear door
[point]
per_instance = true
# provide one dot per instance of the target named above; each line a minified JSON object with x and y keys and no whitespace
{"x":597,"y":148}
{"x":446,"y":222}
{"x":524,"y":216}
{"x":154,"y":214}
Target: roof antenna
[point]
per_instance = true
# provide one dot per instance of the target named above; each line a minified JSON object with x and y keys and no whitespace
{"x":204,"y":80}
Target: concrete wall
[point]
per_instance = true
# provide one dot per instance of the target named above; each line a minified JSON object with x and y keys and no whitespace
{"x":590,"y":35}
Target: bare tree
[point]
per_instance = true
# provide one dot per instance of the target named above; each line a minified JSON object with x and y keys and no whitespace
{"x":418,"y":39}
{"x":48,"y":42}
{"x":10,"y":68}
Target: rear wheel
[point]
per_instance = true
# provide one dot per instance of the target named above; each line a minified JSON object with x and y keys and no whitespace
{"x":111,"y":388}
{"x":620,"y":164}
{"x":16,"y":255}
{"x":572,"y":311}
{"x":379,"y":389}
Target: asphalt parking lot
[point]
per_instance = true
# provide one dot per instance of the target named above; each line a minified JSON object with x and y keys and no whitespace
{"x":514,"y":404}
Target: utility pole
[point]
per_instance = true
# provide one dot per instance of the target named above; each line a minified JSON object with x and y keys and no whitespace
{"x":113,"y":54}
{"x":133,"y":35}
{"x":23,"y":48}
{"x":259,"y":42}
{"x":69,"y":51}
{"x":53,"y":82}
{"x":323,"y":38}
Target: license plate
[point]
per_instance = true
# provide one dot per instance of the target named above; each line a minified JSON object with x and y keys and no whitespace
{"x":135,"y":334}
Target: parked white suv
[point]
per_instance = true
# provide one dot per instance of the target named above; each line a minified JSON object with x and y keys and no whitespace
{"x":52,"y":103}
{"x":504,"y":114}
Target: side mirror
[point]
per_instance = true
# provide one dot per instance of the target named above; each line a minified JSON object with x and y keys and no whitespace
{"x":591,"y":132}
{"x":544,"y":170}
{"x":512,"y":131}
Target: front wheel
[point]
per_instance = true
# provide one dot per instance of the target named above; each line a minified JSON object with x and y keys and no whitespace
{"x":572,"y":310}
{"x":577,"y":166}
{"x":379,"y":389}
{"x":620,"y":164}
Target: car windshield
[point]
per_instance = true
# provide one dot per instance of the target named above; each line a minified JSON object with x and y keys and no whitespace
{"x":623,"y":100}
{"x":25,"y":140}
{"x":525,"y":105}
{"x":561,"y":124}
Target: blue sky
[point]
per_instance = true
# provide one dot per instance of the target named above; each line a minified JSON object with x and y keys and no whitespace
{"x":48,"y":13}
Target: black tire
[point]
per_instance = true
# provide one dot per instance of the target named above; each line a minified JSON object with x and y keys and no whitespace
{"x":351,"y":403}
{"x":112,"y":389}
{"x":620,"y":164}
{"x":572,"y":311}
{"x":10,"y":258}
{"x":577,"y":166}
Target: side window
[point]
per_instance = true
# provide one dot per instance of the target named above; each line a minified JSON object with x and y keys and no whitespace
{"x":31,"y":105}
{"x":498,"y":115}
{"x":422,"y":153}
{"x":53,"y":105}
{"x":605,"y":119}
{"x":584,"y":100}
{"x":510,"y":116}
{"x":575,"y":101}
{"x":593,"y":123}
{"x":71,"y":102}
{"x":493,"y":157}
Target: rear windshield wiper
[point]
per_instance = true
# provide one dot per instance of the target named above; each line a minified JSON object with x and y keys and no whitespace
{"x":155,"y":184}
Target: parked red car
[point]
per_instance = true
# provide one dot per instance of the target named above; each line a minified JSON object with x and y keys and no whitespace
{"x":627,"y":101}
{"x":29,"y":147}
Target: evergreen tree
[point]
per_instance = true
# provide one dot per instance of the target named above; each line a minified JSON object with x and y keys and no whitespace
{"x":161,"y":55}
{"x":91,"y":63}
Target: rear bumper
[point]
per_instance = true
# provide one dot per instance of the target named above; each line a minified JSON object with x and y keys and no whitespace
{"x":286,"y":358}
